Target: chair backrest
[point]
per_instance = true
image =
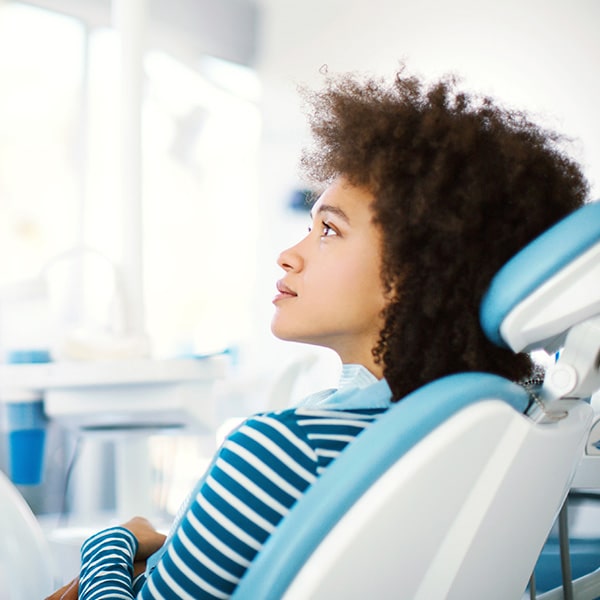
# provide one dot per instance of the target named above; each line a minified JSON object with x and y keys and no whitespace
{"x":26,"y":565}
{"x":401,"y":514}
{"x":451,"y":493}
{"x":549,"y":286}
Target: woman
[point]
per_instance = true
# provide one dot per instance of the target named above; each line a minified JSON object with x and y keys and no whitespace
{"x":428,"y":191}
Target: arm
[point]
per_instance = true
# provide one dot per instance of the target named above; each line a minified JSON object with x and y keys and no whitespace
{"x":113,"y":558}
{"x":258,"y":474}
{"x":260,"y":471}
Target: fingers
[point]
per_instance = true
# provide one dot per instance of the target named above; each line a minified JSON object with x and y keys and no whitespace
{"x":69,"y":591}
{"x":149,"y":540}
{"x":138,"y":523}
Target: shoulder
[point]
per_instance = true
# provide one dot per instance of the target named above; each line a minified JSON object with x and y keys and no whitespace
{"x":302,"y":423}
{"x":307,"y":419}
{"x":306,"y":435}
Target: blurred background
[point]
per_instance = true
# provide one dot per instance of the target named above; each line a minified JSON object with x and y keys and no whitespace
{"x":149,"y":176}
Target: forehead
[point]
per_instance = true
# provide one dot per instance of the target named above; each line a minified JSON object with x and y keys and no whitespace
{"x":347,"y":201}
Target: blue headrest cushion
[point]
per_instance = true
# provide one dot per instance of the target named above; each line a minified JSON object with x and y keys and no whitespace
{"x":535,"y":264}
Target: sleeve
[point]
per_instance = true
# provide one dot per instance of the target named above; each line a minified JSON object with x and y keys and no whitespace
{"x":258,"y":474}
{"x":256,"y":477}
{"x":107,"y":565}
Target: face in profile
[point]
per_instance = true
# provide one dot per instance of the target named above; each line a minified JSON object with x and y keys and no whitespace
{"x":331,"y":293}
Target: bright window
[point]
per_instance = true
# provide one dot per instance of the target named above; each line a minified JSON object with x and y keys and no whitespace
{"x":58,"y":174}
{"x":40,"y":136}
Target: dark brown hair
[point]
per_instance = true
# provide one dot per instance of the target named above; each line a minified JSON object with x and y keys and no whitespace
{"x":460,"y":185}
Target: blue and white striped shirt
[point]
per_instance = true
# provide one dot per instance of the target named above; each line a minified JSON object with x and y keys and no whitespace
{"x":261,"y":470}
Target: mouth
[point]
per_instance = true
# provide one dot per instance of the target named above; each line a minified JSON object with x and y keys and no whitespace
{"x":284,"y":292}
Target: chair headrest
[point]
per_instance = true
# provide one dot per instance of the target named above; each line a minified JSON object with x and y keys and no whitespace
{"x":549,"y":286}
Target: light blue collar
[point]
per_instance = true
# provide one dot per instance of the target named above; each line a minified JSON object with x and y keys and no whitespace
{"x":358,"y":389}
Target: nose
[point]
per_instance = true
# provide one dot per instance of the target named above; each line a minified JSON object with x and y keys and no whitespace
{"x":291,"y":259}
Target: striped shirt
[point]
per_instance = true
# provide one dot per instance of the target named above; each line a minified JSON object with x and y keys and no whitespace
{"x":258,"y":474}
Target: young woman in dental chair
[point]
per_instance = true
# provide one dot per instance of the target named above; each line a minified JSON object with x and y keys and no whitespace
{"x":428,"y":191}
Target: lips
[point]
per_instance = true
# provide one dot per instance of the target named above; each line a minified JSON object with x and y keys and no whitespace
{"x":284,"y":291}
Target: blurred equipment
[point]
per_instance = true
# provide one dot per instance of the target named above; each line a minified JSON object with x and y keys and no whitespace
{"x":128,"y":399}
{"x":26,"y":567}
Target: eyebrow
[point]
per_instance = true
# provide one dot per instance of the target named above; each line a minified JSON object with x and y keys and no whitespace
{"x":335,"y":210}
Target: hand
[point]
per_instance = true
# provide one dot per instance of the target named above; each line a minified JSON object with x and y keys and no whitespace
{"x":70,"y":591}
{"x":149,"y":540}
{"x":139,"y":567}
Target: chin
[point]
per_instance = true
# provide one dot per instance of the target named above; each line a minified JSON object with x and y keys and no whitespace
{"x":279,"y":334}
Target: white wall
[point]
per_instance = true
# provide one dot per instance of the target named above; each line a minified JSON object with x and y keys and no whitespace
{"x":539,"y":55}
{"x":543,"y":55}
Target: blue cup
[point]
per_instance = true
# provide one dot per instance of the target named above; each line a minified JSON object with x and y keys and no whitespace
{"x":26,"y":425}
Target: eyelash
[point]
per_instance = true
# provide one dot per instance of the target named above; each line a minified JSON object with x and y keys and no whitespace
{"x":326,"y":228}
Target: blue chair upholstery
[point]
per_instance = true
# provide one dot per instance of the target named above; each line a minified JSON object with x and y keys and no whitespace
{"x":358,"y":467}
{"x":535,"y":264}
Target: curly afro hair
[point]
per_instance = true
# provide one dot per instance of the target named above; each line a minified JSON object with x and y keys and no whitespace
{"x":460,"y":185}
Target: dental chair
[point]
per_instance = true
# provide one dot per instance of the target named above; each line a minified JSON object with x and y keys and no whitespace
{"x":27,"y":571}
{"x":452,"y":492}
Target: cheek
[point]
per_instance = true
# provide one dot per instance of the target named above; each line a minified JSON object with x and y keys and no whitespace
{"x":363,"y":283}
{"x":366,"y":269}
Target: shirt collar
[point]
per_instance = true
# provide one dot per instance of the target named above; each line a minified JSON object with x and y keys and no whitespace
{"x":358,"y":389}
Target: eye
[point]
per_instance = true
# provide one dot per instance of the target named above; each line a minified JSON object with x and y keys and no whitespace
{"x":324,"y":228}
{"x":327,"y":230}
